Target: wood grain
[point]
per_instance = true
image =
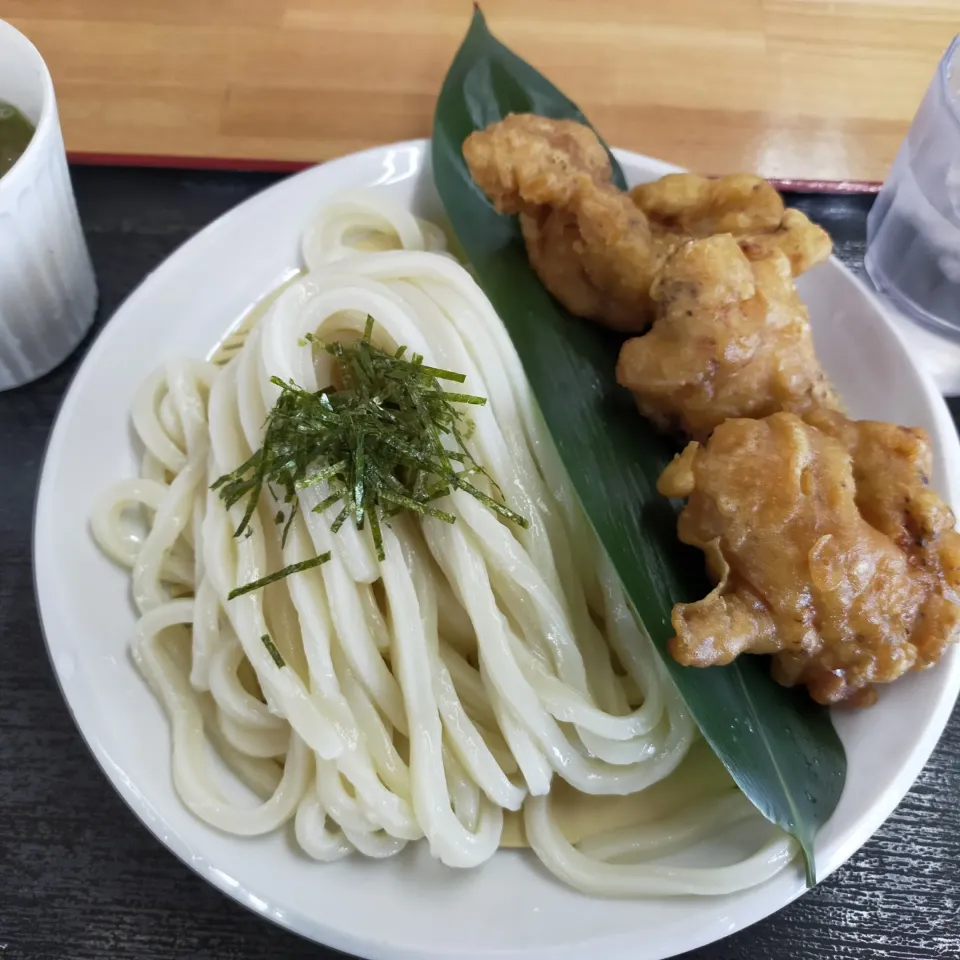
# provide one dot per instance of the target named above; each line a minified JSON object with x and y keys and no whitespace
{"x":808,"y":89}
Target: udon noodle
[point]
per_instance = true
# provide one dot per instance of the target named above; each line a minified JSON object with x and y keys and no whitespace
{"x":428,"y":694}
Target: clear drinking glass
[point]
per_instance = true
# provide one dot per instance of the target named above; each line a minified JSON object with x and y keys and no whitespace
{"x":913,"y":230}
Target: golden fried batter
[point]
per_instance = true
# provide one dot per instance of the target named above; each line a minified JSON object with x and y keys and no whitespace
{"x":804,"y":243}
{"x":599,"y":265}
{"x":558,"y":255}
{"x":586,"y":239}
{"x":525,"y":162}
{"x":597,"y":249}
{"x":685,"y":206}
{"x":847,"y":575}
{"x":731,"y":339}
{"x":891,"y":470}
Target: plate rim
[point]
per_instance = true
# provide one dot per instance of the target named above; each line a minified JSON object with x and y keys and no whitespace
{"x":309,"y":928}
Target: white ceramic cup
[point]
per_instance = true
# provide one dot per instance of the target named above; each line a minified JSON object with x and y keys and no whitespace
{"x":48,"y":295}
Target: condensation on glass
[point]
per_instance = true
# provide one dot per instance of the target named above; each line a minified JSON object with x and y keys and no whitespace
{"x":913,"y":231}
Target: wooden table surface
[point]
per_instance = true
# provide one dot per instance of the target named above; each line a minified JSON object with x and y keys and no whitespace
{"x":808,"y":89}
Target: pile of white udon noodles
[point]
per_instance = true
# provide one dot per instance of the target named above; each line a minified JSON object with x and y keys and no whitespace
{"x":421,"y":696}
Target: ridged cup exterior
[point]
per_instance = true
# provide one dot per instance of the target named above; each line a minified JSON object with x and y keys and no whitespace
{"x":48,"y":295}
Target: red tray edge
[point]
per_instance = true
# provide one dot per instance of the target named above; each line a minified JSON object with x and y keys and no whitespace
{"x":293,"y":166}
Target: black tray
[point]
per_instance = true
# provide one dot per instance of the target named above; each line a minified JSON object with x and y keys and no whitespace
{"x":81,"y":879}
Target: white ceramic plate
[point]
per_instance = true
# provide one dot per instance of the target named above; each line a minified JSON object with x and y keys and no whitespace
{"x":411,"y":907}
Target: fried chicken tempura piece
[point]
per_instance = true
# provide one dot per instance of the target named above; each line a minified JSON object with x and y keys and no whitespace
{"x":587,"y":240}
{"x":685,"y":206}
{"x":597,"y":249}
{"x":601,"y":269}
{"x":692,"y":206}
{"x":525,"y":162}
{"x":891,"y":470}
{"x":804,"y":243}
{"x":802,"y":571}
{"x":731,"y":339}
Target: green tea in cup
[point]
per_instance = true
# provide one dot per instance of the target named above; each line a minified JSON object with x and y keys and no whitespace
{"x":15,"y":133}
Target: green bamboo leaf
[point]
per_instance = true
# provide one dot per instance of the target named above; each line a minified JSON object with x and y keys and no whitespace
{"x":779,"y":746}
